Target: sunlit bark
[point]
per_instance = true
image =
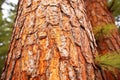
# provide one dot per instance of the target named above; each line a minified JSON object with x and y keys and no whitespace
{"x":52,"y":40}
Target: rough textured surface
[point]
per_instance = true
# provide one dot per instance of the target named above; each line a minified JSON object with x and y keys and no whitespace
{"x":99,"y":15}
{"x":52,"y":40}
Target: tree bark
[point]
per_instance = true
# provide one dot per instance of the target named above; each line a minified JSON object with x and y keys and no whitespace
{"x":99,"y":15}
{"x":51,"y":40}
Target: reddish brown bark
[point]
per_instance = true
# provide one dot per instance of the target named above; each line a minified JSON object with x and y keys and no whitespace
{"x":99,"y":15}
{"x":52,"y":40}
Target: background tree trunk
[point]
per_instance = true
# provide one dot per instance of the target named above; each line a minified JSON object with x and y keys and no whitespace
{"x":99,"y":15}
{"x":51,"y":40}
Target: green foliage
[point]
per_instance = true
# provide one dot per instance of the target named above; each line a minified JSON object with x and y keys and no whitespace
{"x":109,"y":60}
{"x":103,"y":30}
{"x":1,"y":2}
{"x":6,"y":26}
{"x":114,"y":7}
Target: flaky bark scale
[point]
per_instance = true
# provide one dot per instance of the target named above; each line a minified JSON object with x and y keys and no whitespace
{"x":52,"y":40}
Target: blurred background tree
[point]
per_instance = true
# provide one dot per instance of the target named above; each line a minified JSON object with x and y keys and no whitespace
{"x":6,"y":24}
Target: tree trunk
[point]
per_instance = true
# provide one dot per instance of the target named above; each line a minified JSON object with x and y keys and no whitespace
{"x":51,"y":40}
{"x":99,"y":15}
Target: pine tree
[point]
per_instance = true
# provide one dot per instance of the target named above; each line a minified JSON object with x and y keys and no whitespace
{"x":106,"y":33}
{"x":53,"y":40}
